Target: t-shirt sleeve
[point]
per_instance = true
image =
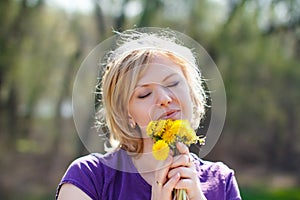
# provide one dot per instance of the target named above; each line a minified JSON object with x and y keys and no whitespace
{"x":232,"y":189}
{"x":81,"y":173}
{"x":217,"y":180}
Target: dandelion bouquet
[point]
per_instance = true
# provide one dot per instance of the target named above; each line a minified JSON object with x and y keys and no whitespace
{"x":166,"y":133}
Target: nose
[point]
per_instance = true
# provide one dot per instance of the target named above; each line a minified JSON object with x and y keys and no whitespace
{"x":163,"y":95}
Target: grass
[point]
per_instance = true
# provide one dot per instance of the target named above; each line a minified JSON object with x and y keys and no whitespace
{"x":268,"y":194}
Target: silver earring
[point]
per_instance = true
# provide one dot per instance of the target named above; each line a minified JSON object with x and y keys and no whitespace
{"x":132,"y":125}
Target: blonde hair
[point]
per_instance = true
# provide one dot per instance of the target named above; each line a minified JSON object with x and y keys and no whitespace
{"x":124,"y":67}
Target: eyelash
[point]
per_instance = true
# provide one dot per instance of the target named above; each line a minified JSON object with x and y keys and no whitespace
{"x":171,"y":85}
{"x":144,"y":96}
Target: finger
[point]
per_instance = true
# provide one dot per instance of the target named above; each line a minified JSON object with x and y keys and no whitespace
{"x":184,"y":172}
{"x":171,"y":183}
{"x":191,"y":186}
{"x":184,"y":184}
{"x":182,"y":160}
{"x":161,"y":174}
{"x":182,"y":148}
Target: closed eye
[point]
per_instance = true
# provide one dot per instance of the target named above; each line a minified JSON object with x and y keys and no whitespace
{"x":144,"y":96}
{"x":173,"y":84}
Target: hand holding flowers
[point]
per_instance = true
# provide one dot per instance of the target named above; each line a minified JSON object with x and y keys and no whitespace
{"x":166,"y":135}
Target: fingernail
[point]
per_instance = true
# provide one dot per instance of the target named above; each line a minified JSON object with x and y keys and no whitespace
{"x":181,"y":145}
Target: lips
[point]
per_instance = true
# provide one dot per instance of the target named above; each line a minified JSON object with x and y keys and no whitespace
{"x":170,"y":114}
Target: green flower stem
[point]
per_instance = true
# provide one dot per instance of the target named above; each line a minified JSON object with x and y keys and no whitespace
{"x":180,"y":194}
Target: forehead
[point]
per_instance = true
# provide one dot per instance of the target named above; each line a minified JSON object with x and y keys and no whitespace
{"x":159,"y":68}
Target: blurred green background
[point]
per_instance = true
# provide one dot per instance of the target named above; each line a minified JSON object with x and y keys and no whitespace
{"x":255,"y":44}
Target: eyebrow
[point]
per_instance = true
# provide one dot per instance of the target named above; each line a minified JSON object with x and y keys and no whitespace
{"x":166,"y":78}
{"x":169,"y":76}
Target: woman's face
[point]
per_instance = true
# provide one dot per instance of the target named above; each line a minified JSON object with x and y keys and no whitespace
{"x":161,"y":93}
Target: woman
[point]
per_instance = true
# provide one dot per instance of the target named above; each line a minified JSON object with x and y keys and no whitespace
{"x":148,"y":77}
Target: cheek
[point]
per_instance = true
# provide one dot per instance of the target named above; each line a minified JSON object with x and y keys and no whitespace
{"x":186,"y":102}
{"x":188,"y":107}
{"x":140,"y":113}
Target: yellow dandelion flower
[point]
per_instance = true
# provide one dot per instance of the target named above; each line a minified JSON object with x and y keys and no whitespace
{"x":171,"y":131}
{"x":176,"y":128}
{"x":167,"y":133}
{"x":156,"y":128}
{"x":160,"y":150}
{"x":187,"y":133}
{"x":151,"y":127}
{"x":190,"y":138}
{"x":169,"y":136}
{"x":160,"y":128}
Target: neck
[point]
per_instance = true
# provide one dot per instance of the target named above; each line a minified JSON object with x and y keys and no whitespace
{"x":146,"y":164}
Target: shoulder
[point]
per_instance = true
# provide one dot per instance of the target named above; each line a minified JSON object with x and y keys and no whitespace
{"x":87,"y":162}
{"x":85,"y":166}
{"x":89,"y":173}
{"x":95,"y":161}
{"x":82,"y":174}
{"x":217,"y":179}
{"x":95,"y":165}
{"x":212,"y":168}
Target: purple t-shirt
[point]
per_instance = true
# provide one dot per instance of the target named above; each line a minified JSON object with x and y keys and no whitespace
{"x":112,"y":177}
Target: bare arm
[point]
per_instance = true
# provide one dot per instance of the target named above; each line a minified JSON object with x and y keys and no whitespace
{"x":69,"y":191}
